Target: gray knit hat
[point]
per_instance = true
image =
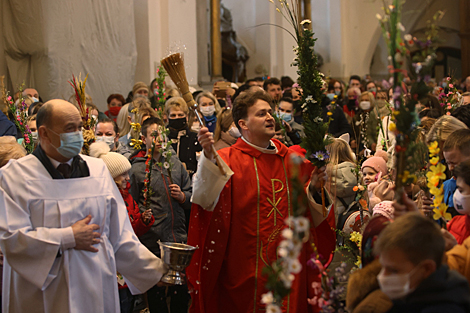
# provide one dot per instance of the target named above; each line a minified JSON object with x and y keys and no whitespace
{"x":116,"y":163}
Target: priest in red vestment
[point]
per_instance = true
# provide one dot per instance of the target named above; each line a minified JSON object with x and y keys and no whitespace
{"x":237,"y":218}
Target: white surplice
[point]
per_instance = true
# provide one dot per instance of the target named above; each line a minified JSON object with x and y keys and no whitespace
{"x":42,"y":273}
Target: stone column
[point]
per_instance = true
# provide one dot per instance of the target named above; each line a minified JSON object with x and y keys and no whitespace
{"x":308,"y":12}
{"x":216,"y":41}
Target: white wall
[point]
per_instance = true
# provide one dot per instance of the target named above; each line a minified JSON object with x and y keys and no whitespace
{"x":65,"y":38}
{"x":164,"y":27}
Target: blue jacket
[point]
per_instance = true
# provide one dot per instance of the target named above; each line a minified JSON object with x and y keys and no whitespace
{"x":7,"y":128}
{"x":450,"y":186}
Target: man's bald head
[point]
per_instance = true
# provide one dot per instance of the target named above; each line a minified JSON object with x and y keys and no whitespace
{"x":46,"y":114}
{"x":54,"y":118}
{"x":33,"y":93}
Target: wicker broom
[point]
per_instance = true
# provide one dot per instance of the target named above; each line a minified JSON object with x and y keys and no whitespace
{"x":174,"y":66}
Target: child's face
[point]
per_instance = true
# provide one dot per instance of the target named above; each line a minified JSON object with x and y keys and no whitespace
{"x":147,"y":140}
{"x":395,"y":262}
{"x":121,"y":180}
{"x":368,"y":175}
{"x":462,"y":197}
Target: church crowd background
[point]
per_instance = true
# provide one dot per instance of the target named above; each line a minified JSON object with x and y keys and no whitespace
{"x":376,"y":248}
{"x":357,"y":106}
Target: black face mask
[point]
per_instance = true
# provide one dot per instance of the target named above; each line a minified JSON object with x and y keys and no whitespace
{"x":177,"y":123}
{"x":351,"y":104}
{"x":221,"y":103}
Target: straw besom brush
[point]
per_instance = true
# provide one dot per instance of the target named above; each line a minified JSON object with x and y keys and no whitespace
{"x":174,"y":66}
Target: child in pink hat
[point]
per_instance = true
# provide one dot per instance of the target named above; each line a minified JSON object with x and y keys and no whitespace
{"x":374,"y":167}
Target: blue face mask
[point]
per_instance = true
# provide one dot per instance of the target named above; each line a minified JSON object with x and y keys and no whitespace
{"x":70,"y":143}
{"x":330,"y":96}
{"x":337,"y":92}
{"x":285,"y":116}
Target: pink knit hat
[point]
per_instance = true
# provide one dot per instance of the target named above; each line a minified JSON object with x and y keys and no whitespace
{"x":384,"y":208}
{"x":378,"y":163}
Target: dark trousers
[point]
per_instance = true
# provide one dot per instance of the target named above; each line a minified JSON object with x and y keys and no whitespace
{"x":126,"y":300}
{"x":172,"y":299}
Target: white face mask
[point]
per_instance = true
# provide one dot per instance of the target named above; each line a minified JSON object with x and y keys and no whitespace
{"x":364,"y":105}
{"x":461,"y":202}
{"x":395,"y":286}
{"x":109,"y":141}
{"x":35,"y":136}
{"x":207,"y":110}
{"x":234,"y":132}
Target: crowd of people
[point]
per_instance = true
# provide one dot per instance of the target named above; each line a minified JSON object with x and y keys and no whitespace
{"x":81,"y":232}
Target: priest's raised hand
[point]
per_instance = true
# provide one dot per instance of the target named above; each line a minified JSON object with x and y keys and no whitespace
{"x":206,"y":140}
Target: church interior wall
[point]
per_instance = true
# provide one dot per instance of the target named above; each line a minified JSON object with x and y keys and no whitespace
{"x":164,"y":27}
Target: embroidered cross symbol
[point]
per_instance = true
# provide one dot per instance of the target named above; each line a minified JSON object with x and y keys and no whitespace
{"x":275,"y":202}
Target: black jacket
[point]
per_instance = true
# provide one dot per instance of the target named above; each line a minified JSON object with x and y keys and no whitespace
{"x":339,"y":125}
{"x":444,"y":291}
{"x":186,"y":145}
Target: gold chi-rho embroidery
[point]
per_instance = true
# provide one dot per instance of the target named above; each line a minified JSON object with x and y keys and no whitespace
{"x":275,"y":202}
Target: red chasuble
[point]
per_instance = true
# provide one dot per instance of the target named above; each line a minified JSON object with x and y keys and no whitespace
{"x":240,"y":237}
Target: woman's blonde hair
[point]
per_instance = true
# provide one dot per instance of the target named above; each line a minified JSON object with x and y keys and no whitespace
{"x":145,"y":111}
{"x":340,"y":152}
{"x":209,"y":95}
{"x":176,"y":102}
{"x":443,"y":127}
{"x":224,"y":120}
{"x":173,"y":92}
{"x":125,"y":112}
{"x":122,"y":121}
{"x":10,"y":149}
{"x":371,"y":98}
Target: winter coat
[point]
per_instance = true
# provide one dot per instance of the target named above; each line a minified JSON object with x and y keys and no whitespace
{"x":339,"y":123}
{"x":443,"y":291}
{"x":226,"y":140}
{"x":185,"y":143}
{"x":296,"y":135}
{"x":169,"y":225}
{"x":342,"y":182}
{"x":364,"y":294}
{"x":135,"y":216}
{"x":459,"y":227}
{"x":122,"y":149}
{"x":450,"y":186}
{"x":7,"y":128}
{"x":458,"y":258}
